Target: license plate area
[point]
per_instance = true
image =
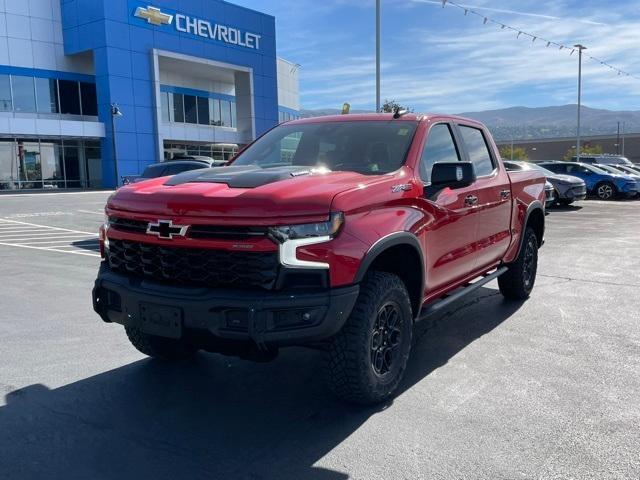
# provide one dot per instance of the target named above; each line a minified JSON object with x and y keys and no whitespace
{"x":161,"y":320}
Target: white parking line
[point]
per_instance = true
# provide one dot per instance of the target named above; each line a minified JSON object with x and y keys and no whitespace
{"x":36,"y":240}
{"x":5,"y":220}
{"x":92,"y":212}
{"x":46,"y":238}
{"x":42,"y":234}
{"x":75,"y":252}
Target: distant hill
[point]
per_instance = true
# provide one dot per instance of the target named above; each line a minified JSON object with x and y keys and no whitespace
{"x":549,"y":122}
{"x":524,"y":123}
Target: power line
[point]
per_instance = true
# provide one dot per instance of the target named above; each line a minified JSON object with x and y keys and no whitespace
{"x":503,"y":26}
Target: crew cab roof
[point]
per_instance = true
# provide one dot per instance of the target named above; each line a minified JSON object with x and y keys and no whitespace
{"x":359,"y":117}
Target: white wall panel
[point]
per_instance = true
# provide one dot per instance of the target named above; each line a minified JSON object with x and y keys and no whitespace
{"x":42,"y":30}
{"x":18,"y":26}
{"x":41,"y":8}
{"x":20,"y":53}
{"x":18,"y":7}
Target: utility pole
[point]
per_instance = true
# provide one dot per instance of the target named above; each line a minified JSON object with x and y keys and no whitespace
{"x":580,"y":49}
{"x":378,"y":32}
{"x":115,"y":113}
{"x":623,"y":130}
{"x":618,"y":141}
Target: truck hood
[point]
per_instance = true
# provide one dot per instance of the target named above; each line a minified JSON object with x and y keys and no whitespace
{"x":245,"y":191}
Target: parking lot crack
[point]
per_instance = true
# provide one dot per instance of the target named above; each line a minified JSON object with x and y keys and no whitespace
{"x":600,"y":282}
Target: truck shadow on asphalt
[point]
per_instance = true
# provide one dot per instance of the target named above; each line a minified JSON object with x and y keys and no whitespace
{"x":212,"y":417}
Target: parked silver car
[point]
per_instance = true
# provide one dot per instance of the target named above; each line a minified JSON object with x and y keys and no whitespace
{"x":568,"y":188}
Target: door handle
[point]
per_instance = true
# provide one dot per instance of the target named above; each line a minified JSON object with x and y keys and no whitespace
{"x":471,"y":200}
{"x":505,"y":193}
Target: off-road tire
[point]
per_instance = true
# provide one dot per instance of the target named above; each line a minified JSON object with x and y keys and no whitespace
{"x":517,"y":283}
{"x":352,"y":367}
{"x":602,"y":191}
{"x":160,"y":347}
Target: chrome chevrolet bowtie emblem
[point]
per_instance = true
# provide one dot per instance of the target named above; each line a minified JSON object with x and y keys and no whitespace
{"x":154,"y":16}
{"x":166,"y":229}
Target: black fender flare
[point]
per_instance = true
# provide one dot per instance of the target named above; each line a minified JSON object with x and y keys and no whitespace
{"x":535,"y":205}
{"x":389,"y":241}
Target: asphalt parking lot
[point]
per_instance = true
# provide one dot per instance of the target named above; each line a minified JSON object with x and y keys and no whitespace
{"x":547,"y":389}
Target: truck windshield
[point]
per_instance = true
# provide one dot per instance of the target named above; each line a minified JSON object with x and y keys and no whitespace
{"x":366,"y":147}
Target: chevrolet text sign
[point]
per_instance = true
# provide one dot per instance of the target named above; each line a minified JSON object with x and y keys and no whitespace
{"x":201,"y":28}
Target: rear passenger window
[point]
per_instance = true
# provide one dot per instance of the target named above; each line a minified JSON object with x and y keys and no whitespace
{"x":478,"y":150}
{"x":440,"y":148}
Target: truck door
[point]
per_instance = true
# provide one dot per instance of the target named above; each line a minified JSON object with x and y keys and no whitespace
{"x":493,"y":190}
{"x":451,"y":222}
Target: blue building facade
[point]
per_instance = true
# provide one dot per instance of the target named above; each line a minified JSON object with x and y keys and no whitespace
{"x":188,"y":76}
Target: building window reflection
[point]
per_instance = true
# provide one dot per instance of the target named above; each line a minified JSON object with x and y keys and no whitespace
{"x":50,"y":164}
{"x":24,"y":95}
{"x":197,"y":110}
{"x":28,"y":94}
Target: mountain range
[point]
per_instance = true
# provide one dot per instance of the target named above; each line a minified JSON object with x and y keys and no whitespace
{"x":522,"y":123}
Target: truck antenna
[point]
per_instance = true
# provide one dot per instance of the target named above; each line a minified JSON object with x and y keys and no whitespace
{"x":399,"y":111}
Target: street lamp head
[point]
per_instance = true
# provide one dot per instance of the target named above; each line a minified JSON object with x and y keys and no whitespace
{"x":580,"y":46}
{"x":115,"y":110}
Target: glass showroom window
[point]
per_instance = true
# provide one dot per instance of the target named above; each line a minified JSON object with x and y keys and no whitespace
{"x":164,"y":106}
{"x":8,"y":166}
{"x":234,"y":119}
{"x":178,"y":108}
{"x":190,"y":109}
{"x":47,"y":95}
{"x":24,"y":94}
{"x":72,"y":165}
{"x":214,"y":109}
{"x":203,"y":111}
{"x":89,"y":98}
{"x":29,"y":163}
{"x":69,"y":97}
{"x":6,"y":105}
{"x":52,"y":163}
{"x":225,"y":113}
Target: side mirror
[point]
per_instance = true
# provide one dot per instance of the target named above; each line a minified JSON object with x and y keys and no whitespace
{"x":452,"y":174}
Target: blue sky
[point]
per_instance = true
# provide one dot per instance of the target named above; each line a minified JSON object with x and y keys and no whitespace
{"x":436,"y":59}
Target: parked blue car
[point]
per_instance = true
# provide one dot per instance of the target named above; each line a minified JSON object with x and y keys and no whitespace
{"x":604,"y":185}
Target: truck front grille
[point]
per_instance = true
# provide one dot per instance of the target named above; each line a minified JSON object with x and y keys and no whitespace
{"x":194,"y":267}
{"x":201,"y":232}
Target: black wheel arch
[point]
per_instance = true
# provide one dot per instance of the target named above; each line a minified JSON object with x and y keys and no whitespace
{"x":390,"y":247}
{"x":534,"y":218}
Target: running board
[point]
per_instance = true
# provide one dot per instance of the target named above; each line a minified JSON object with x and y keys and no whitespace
{"x":459,"y":293}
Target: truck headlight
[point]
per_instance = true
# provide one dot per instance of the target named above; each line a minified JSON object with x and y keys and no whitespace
{"x":309,"y":230}
{"x":291,"y":237}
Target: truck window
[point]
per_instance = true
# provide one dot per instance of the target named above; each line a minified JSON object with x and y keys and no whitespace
{"x":478,"y":150}
{"x":440,"y":148}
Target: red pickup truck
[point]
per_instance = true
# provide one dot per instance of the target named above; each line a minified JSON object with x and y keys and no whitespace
{"x":336,"y":233}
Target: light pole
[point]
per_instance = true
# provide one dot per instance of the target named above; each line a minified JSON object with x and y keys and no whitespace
{"x":378,"y":55}
{"x":580,"y":49}
{"x":115,"y":113}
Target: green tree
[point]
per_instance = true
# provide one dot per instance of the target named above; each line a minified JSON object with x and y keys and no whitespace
{"x":586,"y":149}
{"x":390,"y":106}
{"x":519,"y":153}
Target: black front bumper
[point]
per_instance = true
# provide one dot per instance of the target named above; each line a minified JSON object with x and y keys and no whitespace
{"x":268,"y":318}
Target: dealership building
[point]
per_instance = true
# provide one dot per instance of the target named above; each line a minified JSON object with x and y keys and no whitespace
{"x":83,"y":82}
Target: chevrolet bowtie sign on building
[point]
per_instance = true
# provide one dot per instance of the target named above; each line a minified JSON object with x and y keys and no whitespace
{"x":201,"y":28}
{"x":154,"y":16}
